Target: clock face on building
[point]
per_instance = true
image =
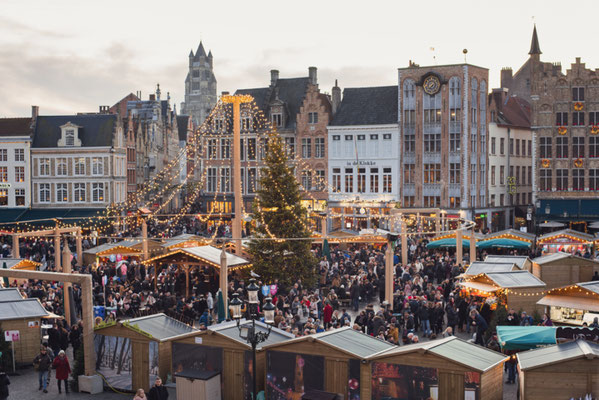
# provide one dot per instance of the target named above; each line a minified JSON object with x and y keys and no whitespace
{"x":431,"y":85}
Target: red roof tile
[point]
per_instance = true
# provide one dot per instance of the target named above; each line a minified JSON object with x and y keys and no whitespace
{"x":15,"y":126}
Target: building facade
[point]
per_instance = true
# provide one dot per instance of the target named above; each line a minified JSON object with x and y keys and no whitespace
{"x":200,"y":86}
{"x":15,"y":145}
{"x":363,"y":163}
{"x":78,"y":161}
{"x":510,"y":161}
{"x":565,"y":127}
{"x":443,"y":122}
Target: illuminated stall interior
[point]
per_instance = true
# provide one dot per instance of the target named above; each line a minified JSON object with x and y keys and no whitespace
{"x":573,"y":304}
{"x":567,"y":241}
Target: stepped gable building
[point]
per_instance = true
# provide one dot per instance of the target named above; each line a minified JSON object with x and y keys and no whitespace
{"x":443,"y":122}
{"x":200,"y":86}
{"x":565,"y":127}
{"x":363,"y":157}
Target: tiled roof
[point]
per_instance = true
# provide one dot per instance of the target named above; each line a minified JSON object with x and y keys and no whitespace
{"x":367,"y":106}
{"x":15,"y":126}
{"x":95,"y":130}
{"x":182,"y":121}
{"x":513,"y":111}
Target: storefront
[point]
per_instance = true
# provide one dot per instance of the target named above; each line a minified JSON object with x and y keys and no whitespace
{"x":573,"y":304}
{"x":359,"y":215}
{"x":567,"y":241}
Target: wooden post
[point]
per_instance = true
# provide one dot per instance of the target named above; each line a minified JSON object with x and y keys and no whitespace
{"x":144,"y":235}
{"x":66,"y":268}
{"x":223,"y":278}
{"x":186,"y":281}
{"x":15,"y":247}
{"x":389,"y":275}
{"x":238,"y":198}
{"x":323,"y":226}
{"x":472,"y":247}
{"x":79,"y":248}
{"x":57,"y":264}
{"x":88,"y":325}
{"x":404,"y":240}
{"x":155,"y":276}
{"x":458,"y":243}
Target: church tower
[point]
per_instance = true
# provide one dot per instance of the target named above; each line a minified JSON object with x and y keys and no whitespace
{"x":200,"y":86}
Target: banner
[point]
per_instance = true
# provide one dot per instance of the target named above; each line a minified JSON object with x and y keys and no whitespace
{"x":290,"y":375}
{"x":404,"y":382}
{"x":566,"y":334}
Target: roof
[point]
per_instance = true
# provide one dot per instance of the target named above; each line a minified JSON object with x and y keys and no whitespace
{"x":520,"y":261}
{"x":480,"y":267}
{"x":592,"y":286}
{"x":160,"y":326}
{"x":120,"y":107}
{"x":453,"y":349}
{"x":96,"y":130}
{"x":182,"y":121}
{"x":367,"y":106}
{"x":557,"y":354}
{"x":182,"y":239}
{"x":10,"y":294}
{"x":515,"y":279}
{"x":560,"y":255}
{"x":15,"y":126}
{"x":567,"y":232}
{"x":207,"y":254}
{"x":512,"y":111}
{"x":22,"y":308}
{"x":566,"y":300}
{"x":230,"y":330}
{"x":15,"y":262}
{"x":534,"y":43}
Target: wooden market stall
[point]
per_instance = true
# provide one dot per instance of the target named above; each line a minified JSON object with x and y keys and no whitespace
{"x":20,"y":263}
{"x":131,"y":353}
{"x":220,"y":348}
{"x":331,"y":361}
{"x":573,"y":304}
{"x":566,"y":240}
{"x":124,"y":248}
{"x":563,"y":371}
{"x":449,"y":369}
{"x":25,"y":316}
{"x":195,"y":257}
{"x":560,"y":269}
{"x":523,"y":262}
{"x":519,"y":290}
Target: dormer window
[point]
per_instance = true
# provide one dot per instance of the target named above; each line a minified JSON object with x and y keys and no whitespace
{"x":69,"y":135}
{"x":277,"y":119}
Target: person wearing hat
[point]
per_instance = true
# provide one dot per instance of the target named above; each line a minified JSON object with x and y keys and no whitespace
{"x":42,"y":363}
{"x":63,"y":369}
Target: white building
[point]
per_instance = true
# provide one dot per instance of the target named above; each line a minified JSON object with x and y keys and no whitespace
{"x":510,"y":161}
{"x":15,"y":142}
{"x":363,"y":158}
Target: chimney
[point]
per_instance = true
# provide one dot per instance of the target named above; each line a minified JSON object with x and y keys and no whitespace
{"x":35,"y":112}
{"x":504,"y":94}
{"x":224,"y":93}
{"x":506,"y":77}
{"x":274,"y":77}
{"x":152,"y":97}
{"x":336,"y":97}
{"x":312,"y":75}
{"x":104,"y":109}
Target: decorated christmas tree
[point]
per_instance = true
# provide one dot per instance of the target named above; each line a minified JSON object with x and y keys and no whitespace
{"x":279,"y":216}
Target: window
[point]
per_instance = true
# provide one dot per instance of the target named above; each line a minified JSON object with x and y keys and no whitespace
{"x":225,"y":149}
{"x":319,"y":149}
{"x":349,"y":137}
{"x":561,"y":176}
{"x":432,"y":116}
{"x":492,"y":117}
{"x":277,"y":119}
{"x":97,"y":166}
{"x":432,"y":142}
{"x":409,"y":142}
{"x":578,"y":147}
{"x":409,"y":171}
{"x":492,"y":201}
{"x":530,"y":148}
{"x":454,"y":173}
{"x":361,"y":137}
{"x":578,"y":179}
{"x":336,"y":137}
{"x":219,"y":124}
{"x":473,"y":174}
{"x":336,"y":180}
{"x":361,"y":180}
{"x":517,"y":147}
{"x":313,"y":118}
{"x":3,"y":174}
{"x":511,"y":147}
{"x":545,"y":147}
{"x":252,"y":180}
{"x":306,"y":148}
{"x":307,"y":180}
{"x":290,"y":146}
{"x":263,"y":149}
{"x":502,"y":146}
{"x":374,"y":137}
{"x":212,"y":149}
{"x":593,"y":146}
{"x":454,"y":202}
{"x":211,"y":180}
{"x":44,"y":166}
{"x":545,"y":180}
{"x":61,"y":166}
{"x":374,"y":180}
{"x":530,"y":175}
{"x":409,"y":201}
{"x":502,"y":199}
{"x":593,"y":118}
{"x":79,"y":165}
{"x":501,"y":174}
{"x":594,"y":179}
{"x":454,"y":142}
{"x":578,"y":94}
{"x":409,"y":118}
{"x":3,"y":155}
{"x":349,"y":180}
{"x":561,"y":147}
{"x":493,"y":145}
{"x":3,"y":197}
{"x":432,"y":201}
{"x":578,"y":118}
{"x":69,"y":137}
{"x":492,"y":175}
{"x":225,"y":180}
{"x":19,"y":155}
{"x":19,"y":197}
{"x":61,"y":193}
{"x":97,"y":192}
{"x":561,"y":118}
{"x":246,"y":123}
{"x":432,"y":173}
{"x":251,"y":149}
{"x":320,"y":180}
{"x":19,"y":174}
{"x":79,"y":192}
{"x":386,"y":136}
{"x":387,"y":181}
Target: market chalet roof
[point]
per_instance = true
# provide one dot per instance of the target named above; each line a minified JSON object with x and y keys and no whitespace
{"x":10,"y":294}
{"x":480,"y":267}
{"x":21,"y":308}
{"x":15,"y":127}
{"x":95,"y":130}
{"x":230,"y":330}
{"x":578,"y":296}
{"x":567,"y":232}
{"x":452,"y":349}
{"x":520,"y":261}
{"x":557,"y":354}
{"x":367,"y":106}
{"x":560,"y":255}
{"x":515,"y":279}
{"x":160,"y":326}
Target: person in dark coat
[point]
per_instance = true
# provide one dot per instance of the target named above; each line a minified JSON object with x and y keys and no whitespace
{"x":54,"y":338}
{"x":158,"y":392}
{"x":43,"y":363}
{"x":481,"y":326}
{"x":63,"y":369}
{"x":4,"y":382}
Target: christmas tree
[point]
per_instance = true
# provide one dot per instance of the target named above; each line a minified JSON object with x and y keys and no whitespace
{"x":279,"y":214}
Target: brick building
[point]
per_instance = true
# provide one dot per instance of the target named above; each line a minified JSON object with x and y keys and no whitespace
{"x":443,"y":125}
{"x":565,"y":127}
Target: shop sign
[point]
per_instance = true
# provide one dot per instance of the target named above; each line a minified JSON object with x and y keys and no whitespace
{"x":350,"y":163}
{"x":563,"y":334}
{"x":4,"y":185}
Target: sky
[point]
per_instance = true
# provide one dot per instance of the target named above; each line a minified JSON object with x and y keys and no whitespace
{"x":69,"y":56}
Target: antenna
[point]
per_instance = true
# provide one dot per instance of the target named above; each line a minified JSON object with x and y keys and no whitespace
{"x":434,"y":55}
{"x":465,"y":51}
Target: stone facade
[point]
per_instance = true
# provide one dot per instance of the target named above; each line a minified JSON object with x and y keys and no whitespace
{"x":200,"y":86}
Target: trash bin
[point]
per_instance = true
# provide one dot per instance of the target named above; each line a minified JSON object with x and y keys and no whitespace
{"x":198,"y":385}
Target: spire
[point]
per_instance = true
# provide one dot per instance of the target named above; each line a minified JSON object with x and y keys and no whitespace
{"x":200,"y":51}
{"x":534,"y":44}
{"x":210,"y":54}
{"x":191,"y":53}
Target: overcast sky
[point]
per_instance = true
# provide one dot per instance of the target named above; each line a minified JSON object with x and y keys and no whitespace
{"x":72,"y":55}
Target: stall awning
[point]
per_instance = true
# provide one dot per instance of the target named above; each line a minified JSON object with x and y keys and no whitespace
{"x":577,"y":303}
{"x":449,"y":242}
{"x":525,"y":337}
{"x":483,"y":287}
{"x":503,"y":243}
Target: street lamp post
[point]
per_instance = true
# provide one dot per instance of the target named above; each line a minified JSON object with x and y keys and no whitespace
{"x":248,"y":331}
